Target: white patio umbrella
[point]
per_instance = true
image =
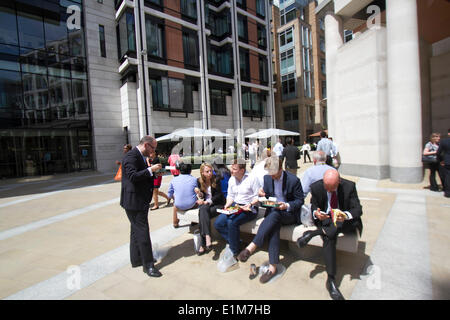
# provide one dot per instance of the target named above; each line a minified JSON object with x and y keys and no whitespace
{"x":267,"y":133}
{"x":192,"y":132}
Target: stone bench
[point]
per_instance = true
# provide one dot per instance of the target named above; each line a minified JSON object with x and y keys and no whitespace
{"x":346,"y":242}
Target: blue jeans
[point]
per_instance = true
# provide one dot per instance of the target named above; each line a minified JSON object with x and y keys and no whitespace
{"x":228,"y":226}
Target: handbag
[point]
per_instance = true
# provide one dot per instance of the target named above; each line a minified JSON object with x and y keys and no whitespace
{"x":118,"y":176}
{"x":429,"y":159}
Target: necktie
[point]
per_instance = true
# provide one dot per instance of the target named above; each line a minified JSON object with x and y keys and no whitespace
{"x":334,"y":200}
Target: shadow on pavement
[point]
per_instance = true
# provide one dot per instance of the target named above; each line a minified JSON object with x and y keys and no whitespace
{"x":38,"y":185}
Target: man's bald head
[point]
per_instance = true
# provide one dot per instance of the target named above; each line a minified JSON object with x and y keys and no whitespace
{"x":331,"y":180}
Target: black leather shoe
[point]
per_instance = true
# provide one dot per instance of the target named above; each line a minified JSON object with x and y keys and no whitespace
{"x":153,"y":272}
{"x":335,"y":294}
{"x":304,"y":239}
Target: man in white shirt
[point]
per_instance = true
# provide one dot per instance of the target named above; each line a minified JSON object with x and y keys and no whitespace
{"x":278,"y":148}
{"x":252,"y":149}
{"x":243,"y":191}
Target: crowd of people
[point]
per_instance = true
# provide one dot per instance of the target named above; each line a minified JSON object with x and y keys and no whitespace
{"x":334,"y":205}
{"x":220,"y":187}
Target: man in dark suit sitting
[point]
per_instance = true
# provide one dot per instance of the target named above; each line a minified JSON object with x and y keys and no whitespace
{"x":332,"y":192}
{"x":135,"y":197}
{"x":289,"y":193}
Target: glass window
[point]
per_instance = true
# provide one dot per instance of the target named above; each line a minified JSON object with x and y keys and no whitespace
{"x":155,"y":38}
{"x":126,"y":34}
{"x":287,"y":15}
{"x":244,"y":63}
{"x":263,"y":69}
{"x":262,"y":36}
{"x":253,"y":103}
{"x":34,"y":62}
{"x":59,"y":65}
{"x":322,"y":44}
{"x":79,"y":68}
{"x":220,"y":24}
{"x":218,"y":101}
{"x":287,"y":62}
{"x":56,"y":31}
{"x":241,"y":4}
{"x":189,"y":8}
{"x":160,"y":93}
{"x":101,"y":35}
{"x":323,"y":66}
{"x":286,"y":38}
{"x":31,"y":30}
{"x":10,"y":96}
{"x":324,"y":89}
{"x":8,"y":25}
{"x":288,"y":87}
{"x":190,"y":49}
{"x":9,"y":57}
{"x":261,"y":7}
{"x":176,"y":94}
{"x":242,"y":27}
{"x":220,"y":60}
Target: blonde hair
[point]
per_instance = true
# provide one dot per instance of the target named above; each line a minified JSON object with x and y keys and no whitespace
{"x":202,"y":179}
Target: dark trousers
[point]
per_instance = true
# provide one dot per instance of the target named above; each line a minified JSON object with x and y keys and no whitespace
{"x":270,"y":229}
{"x":329,"y":237}
{"x":205,"y":213}
{"x":140,"y":243}
{"x":446,"y":179}
{"x":229,"y":227}
{"x":306,"y":154}
{"x":434,"y":167}
{"x":329,"y":161}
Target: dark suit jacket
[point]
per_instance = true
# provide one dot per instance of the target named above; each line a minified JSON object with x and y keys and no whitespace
{"x":347,"y":198}
{"x":292,"y":190}
{"x":292,"y":154}
{"x":137,"y":183}
{"x":443,"y":152}
{"x":217,"y":196}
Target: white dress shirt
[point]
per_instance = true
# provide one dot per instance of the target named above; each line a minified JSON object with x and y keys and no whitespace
{"x":243,"y":191}
{"x":278,"y":149}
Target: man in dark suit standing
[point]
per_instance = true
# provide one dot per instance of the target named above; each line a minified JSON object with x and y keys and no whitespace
{"x":289,"y":193}
{"x":135,"y":197}
{"x":291,"y":154}
{"x":332,"y":192}
{"x":443,"y":155}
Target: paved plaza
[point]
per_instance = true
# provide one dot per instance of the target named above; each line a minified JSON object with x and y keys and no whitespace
{"x":66,"y":237}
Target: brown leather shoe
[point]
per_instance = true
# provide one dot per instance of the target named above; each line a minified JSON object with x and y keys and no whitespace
{"x":244,"y":255}
{"x":267,"y":276}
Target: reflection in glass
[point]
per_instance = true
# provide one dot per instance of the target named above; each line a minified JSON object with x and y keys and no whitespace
{"x":154,"y":33}
{"x":127,"y":42}
{"x":31,"y":30}
{"x":10,"y":96}
{"x":8,"y":26}
{"x":34,"y":62}
{"x":9,"y":57}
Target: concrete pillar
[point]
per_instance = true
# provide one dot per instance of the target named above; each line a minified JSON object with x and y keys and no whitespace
{"x":334,"y":39}
{"x":404,"y":91}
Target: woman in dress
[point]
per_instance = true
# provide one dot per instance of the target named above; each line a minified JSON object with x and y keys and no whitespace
{"x":211,"y":198}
